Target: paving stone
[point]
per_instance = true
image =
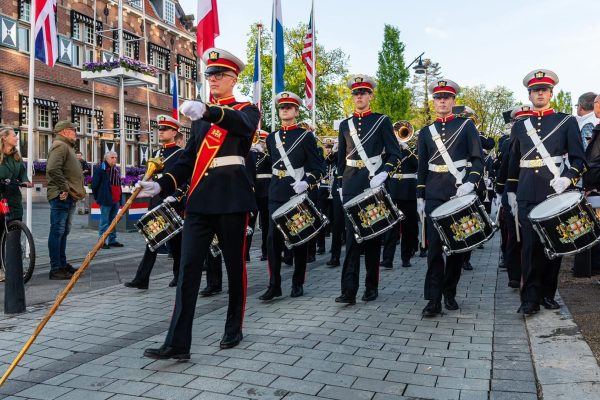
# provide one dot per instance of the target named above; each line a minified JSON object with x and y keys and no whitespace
{"x":474,"y":395}
{"x":494,"y":395}
{"x":328,"y":378}
{"x":358,"y":371}
{"x":340,"y":393}
{"x":251,"y":377}
{"x":296,"y":385}
{"x":505,"y":385}
{"x":213,"y":385}
{"x":463,"y":383}
{"x":379,"y":386}
{"x":427,"y":392}
{"x":79,"y":394}
{"x":43,"y":392}
{"x":259,"y":392}
{"x":408,"y":378}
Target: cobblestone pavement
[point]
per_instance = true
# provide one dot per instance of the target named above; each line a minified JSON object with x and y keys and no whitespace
{"x":293,"y":349}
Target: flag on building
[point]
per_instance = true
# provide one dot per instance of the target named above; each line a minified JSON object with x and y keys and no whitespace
{"x":278,"y":53}
{"x":208,"y":25}
{"x":46,"y":40}
{"x":175,"y":92}
{"x":257,"y":80}
{"x":308,"y":59}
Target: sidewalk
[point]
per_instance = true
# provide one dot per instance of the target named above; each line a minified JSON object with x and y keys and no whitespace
{"x":304,"y":348}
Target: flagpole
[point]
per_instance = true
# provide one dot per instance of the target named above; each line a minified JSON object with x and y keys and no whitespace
{"x":314,"y":68}
{"x":30,"y":114}
{"x":259,"y":51}
{"x":273,"y":62}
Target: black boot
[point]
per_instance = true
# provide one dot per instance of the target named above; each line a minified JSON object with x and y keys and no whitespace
{"x":270,"y":294}
{"x":333,"y":262}
{"x":467,"y":266}
{"x":432,"y":309}
{"x":450,"y":303}
{"x":370,"y":295}
{"x":345,"y":299}
{"x":297,"y":291}
{"x":231,"y":340}
{"x":165,"y":352}
{"x":210,"y":291}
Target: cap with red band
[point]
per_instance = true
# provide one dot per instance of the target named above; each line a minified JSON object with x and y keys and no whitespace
{"x":262,"y":134}
{"x":219,"y":60}
{"x":167,"y":121}
{"x":444,"y":86}
{"x":361,"y":81}
{"x":288,"y":98}
{"x":540,"y":78}
{"x":522,"y":111}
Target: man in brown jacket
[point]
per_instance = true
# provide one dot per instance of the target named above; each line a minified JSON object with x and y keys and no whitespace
{"x":65,"y":188}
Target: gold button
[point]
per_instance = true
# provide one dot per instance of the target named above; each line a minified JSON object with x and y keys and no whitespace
{"x":539,"y":123}
{"x":206,"y":174}
{"x":539,"y":130}
{"x":536,"y":171}
{"x":539,"y":117}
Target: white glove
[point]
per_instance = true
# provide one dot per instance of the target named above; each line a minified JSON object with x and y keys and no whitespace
{"x":378,"y":179}
{"x":149,"y":188}
{"x":498,"y":199}
{"x":488,"y":183}
{"x":421,"y":207}
{"x":258,"y":147}
{"x":560,"y":184}
{"x":300,"y":186}
{"x":512,"y":202}
{"x":170,"y":199}
{"x":464,"y":189}
{"x":340,"y":192}
{"x":193,"y":109}
{"x":403,"y":145}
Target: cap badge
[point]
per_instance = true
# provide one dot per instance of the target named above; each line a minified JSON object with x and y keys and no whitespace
{"x":358,"y":79}
{"x":442,"y":83}
{"x":285,"y":95}
{"x":213,"y":55}
{"x":525,"y":108}
{"x":540,"y":74}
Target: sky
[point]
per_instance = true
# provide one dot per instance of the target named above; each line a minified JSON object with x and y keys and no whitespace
{"x":476,"y":42}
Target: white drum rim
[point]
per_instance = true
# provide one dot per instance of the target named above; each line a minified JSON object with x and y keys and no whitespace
{"x":562,"y":206}
{"x":364,"y":195}
{"x":471,"y":196}
{"x":294,"y":201}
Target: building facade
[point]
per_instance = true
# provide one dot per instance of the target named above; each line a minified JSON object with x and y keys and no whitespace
{"x":165,"y":40}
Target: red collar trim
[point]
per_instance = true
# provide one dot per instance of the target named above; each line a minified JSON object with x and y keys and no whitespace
{"x":289,"y":127}
{"x":169,"y":145}
{"x":363,"y":114}
{"x":447,"y":119}
{"x":223,"y":101}
{"x":548,"y":111}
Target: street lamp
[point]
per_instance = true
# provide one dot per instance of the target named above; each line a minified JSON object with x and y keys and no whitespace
{"x":419,"y":68}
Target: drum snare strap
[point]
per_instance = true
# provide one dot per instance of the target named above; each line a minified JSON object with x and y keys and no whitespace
{"x":373,"y":163}
{"x":286,"y":160}
{"x":458,"y":175}
{"x":539,"y":146}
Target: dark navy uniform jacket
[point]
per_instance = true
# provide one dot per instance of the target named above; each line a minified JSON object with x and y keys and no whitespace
{"x":464,"y":146}
{"x":262,"y":164}
{"x":533,"y":184}
{"x":328,"y":176}
{"x":356,"y":180}
{"x":488,"y":167}
{"x":227,"y":189}
{"x":406,"y":188}
{"x":170,"y":153}
{"x":304,"y":155}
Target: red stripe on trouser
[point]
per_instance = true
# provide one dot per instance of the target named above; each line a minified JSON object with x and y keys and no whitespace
{"x":244,"y":277}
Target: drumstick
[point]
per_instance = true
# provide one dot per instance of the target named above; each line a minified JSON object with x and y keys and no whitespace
{"x":422,"y":230}
{"x":517,"y":227}
{"x":154,"y":165}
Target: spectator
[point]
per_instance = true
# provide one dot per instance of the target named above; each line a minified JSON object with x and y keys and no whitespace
{"x":585,"y":116}
{"x":106,"y":188}
{"x":85,"y":167}
{"x":65,"y":188}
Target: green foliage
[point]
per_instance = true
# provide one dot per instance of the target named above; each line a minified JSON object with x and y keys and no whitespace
{"x":562,"y":102}
{"x":488,"y":106}
{"x":330,"y":66}
{"x":422,"y":112}
{"x":392,"y":97}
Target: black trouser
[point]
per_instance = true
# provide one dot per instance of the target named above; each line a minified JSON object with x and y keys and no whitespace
{"x":337,"y":226}
{"x":351,"y":268}
{"x":504,"y":214}
{"x":408,"y":228}
{"x":540,"y":275}
{"x":14,"y":288}
{"x":251,"y":224}
{"x":512,"y":254}
{"x":325,"y":207}
{"x":275,"y":247}
{"x":198,"y":232}
{"x":144,"y":270}
{"x":442,"y":275}
{"x":214,"y":271}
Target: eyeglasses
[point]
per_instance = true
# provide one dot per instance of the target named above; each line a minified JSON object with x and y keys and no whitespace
{"x":442,"y":96}
{"x":217,"y":76}
{"x":360,"y":92}
{"x":161,"y":129}
{"x":285,"y":107}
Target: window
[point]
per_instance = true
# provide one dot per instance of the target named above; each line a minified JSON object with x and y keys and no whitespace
{"x":160,"y":61}
{"x":23,"y":39}
{"x":130,"y":155}
{"x":189,"y":90}
{"x":25,"y":114}
{"x":82,"y":54}
{"x":130,"y":129}
{"x":185,"y":70}
{"x":163,"y":83}
{"x":44,"y":146}
{"x":136,"y":3}
{"x":43,"y":118}
{"x":76,"y":31}
{"x":25,"y":10}
{"x":169,"y":12}
{"x":85,"y":125}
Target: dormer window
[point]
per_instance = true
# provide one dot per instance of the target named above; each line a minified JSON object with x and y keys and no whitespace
{"x":169,"y":12}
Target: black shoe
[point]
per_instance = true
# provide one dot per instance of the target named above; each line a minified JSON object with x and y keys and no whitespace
{"x":450,"y":303}
{"x":105,"y":247}
{"x":165,"y":352}
{"x":370,"y":295}
{"x":467,"y":266}
{"x":263,"y":258}
{"x":345,"y":299}
{"x":320,"y":250}
{"x":115,"y":244}
{"x":386,"y":266}
{"x":406,"y":264}
{"x":432,"y":309}
{"x":210,"y":291}
{"x":310,"y":259}
{"x":333,"y":262}
{"x":423,"y":253}
{"x":297,"y":291}
{"x":480,"y":246}
{"x":514,"y":284}
{"x":529,"y":308}
{"x":289,"y":261}
{"x":60,"y":275}
{"x":231,"y":340}
{"x":501,"y":263}
{"x":550,"y":304}
{"x":247,"y":258}
{"x":69,"y":268}
{"x":173,"y":282}
{"x":136,"y":284}
{"x":270,"y":294}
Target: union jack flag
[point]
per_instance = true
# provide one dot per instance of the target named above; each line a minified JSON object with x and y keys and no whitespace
{"x":46,"y":41}
{"x":307,"y":58}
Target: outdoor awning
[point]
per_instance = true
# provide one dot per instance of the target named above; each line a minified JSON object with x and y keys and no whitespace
{"x":53,"y":105}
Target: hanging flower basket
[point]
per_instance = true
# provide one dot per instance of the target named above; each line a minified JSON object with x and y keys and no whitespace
{"x":134,"y":72}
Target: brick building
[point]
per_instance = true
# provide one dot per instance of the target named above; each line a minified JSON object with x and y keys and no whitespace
{"x":61,"y":93}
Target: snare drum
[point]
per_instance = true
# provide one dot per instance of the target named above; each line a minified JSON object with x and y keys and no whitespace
{"x":299,"y":220}
{"x":462,"y":224}
{"x":566,"y":224}
{"x":159,"y":225}
{"x":372,"y":213}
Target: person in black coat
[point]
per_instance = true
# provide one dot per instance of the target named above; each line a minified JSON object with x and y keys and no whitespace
{"x":299,"y":147}
{"x":220,"y":199}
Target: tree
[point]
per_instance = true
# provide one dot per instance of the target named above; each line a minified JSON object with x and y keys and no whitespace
{"x":422,"y":112}
{"x":392,"y":97}
{"x":488,"y":106}
{"x":562,"y":102}
{"x":330,"y":71}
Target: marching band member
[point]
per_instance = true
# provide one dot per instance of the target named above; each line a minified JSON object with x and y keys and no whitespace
{"x":337,"y":214}
{"x":219,"y":200}
{"x":261,"y":187}
{"x":296,"y":166}
{"x":168,"y":133}
{"x":362,"y":140}
{"x":402,"y":188}
{"x":446,"y":148}
{"x":536,"y":171}
{"x":325,"y":199}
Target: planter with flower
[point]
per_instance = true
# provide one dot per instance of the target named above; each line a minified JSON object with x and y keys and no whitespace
{"x":134,"y":72}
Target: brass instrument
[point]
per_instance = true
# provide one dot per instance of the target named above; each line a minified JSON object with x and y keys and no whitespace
{"x":256,"y":137}
{"x":404,"y":130}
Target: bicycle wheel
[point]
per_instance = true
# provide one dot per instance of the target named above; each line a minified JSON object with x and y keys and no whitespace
{"x":26,"y":240}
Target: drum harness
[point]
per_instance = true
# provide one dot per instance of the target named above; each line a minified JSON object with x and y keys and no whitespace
{"x":372,"y":163}
{"x":165,"y":160}
{"x":443,"y":152}
{"x":297,"y":173}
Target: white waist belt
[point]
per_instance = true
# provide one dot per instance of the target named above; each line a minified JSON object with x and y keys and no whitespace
{"x":376,"y":161}
{"x":299,"y":172}
{"x":263,"y":176}
{"x":444,"y":167}
{"x":539,"y":162}
{"x":404,"y":176}
{"x":227,"y":160}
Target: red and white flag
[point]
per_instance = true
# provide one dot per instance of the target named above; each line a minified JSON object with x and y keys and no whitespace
{"x":46,"y":41}
{"x":308,"y":59}
{"x":208,"y":25}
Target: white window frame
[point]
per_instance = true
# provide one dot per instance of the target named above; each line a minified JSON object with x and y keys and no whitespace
{"x":130,"y":155}
{"x":43,"y":155}
{"x":169,"y":12}
{"x":129,"y":130}
{"x":23,"y":40}
{"x":26,"y":13}
{"x":43,"y":118}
